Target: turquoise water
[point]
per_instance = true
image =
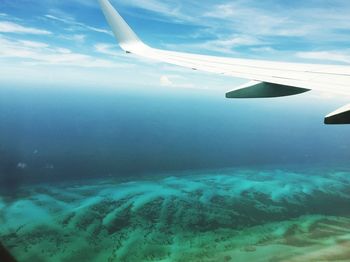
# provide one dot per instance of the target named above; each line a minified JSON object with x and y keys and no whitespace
{"x":223,"y":215}
{"x":106,"y":175}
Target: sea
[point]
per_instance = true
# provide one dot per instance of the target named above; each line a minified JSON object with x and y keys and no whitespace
{"x":103,"y":174}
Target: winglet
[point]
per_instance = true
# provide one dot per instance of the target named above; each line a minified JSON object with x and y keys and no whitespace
{"x":126,"y":37}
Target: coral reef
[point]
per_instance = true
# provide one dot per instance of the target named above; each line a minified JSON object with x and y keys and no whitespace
{"x":228,"y":215}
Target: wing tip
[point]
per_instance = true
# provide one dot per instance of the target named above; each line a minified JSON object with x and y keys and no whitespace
{"x":126,"y":37}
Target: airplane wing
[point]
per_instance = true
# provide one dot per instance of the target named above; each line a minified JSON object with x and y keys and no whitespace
{"x":266,"y":78}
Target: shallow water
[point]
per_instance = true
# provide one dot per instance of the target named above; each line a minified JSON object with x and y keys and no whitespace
{"x":216,"y":215}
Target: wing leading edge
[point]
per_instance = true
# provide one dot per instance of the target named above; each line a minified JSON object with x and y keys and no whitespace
{"x":268,"y":79}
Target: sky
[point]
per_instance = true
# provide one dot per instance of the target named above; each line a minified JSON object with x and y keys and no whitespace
{"x":55,"y":43}
{"x":163,"y":115}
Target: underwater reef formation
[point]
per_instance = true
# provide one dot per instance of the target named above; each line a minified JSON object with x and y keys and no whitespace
{"x":227,"y":215}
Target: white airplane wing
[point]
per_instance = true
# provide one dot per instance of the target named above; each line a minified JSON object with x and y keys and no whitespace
{"x":266,"y":78}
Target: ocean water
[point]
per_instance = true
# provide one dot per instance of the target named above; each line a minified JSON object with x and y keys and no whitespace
{"x":168,"y":175}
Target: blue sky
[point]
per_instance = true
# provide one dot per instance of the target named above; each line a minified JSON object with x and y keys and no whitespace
{"x":55,"y":42}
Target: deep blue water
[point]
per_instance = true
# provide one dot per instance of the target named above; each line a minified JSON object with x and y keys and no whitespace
{"x":52,"y":134}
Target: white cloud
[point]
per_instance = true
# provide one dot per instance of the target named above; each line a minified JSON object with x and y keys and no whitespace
{"x":227,"y":45}
{"x":107,"y":49}
{"x":309,"y":23}
{"x":176,"y":81}
{"x":33,"y":44}
{"x":221,"y":45}
{"x":169,"y":9}
{"x":165,"y":81}
{"x":267,"y":19}
{"x":99,"y":30}
{"x":10,"y":27}
{"x":336,"y":56}
{"x":37,"y":53}
{"x":227,"y":10}
{"x":263,"y":49}
{"x":26,"y":63}
{"x":248,"y":19}
{"x":72,"y":22}
{"x":77,"y":38}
